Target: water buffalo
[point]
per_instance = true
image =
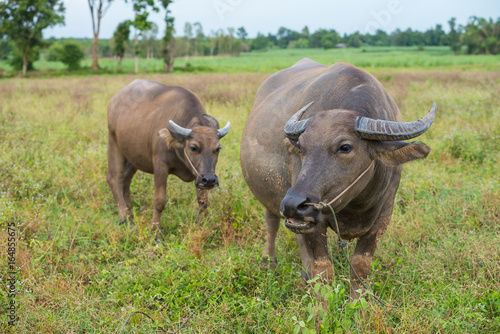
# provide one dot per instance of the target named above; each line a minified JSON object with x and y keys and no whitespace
{"x":160,"y":130}
{"x":347,"y":146}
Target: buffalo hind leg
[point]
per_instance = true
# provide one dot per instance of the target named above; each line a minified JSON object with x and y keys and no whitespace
{"x":129,"y":173}
{"x":115,"y":178}
{"x":269,"y":254}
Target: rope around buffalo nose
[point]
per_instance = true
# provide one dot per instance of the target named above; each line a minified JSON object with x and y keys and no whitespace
{"x":341,"y":243}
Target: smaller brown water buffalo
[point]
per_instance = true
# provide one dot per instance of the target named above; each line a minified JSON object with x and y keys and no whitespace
{"x":345,"y":149}
{"x":160,"y":130}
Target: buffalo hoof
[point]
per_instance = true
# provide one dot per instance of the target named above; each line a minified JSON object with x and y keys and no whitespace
{"x":128,"y":220}
{"x":305,"y":275}
{"x":268,"y":263}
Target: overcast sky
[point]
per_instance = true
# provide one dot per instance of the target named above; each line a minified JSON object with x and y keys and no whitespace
{"x":266,"y":16}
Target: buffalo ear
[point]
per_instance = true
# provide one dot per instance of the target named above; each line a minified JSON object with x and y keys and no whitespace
{"x":396,"y":153}
{"x":169,"y":138}
{"x":210,"y":121}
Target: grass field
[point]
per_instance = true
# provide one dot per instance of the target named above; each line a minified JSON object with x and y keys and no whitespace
{"x":374,"y":59}
{"x":79,"y":271}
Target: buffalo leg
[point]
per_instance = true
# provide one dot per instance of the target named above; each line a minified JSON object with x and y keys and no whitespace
{"x":160,"y":196}
{"x":314,"y":254}
{"x":272,"y":227}
{"x":129,"y":173}
{"x":202,"y":198}
{"x":363,"y":255}
{"x":114,"y":177}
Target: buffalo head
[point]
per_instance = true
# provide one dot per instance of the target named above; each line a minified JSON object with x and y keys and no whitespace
{"x":198,"y":147}
{"x":338,"y":146}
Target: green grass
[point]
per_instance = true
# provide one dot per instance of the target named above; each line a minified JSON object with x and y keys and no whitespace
{"x":82,"y":272}
{"x":372,"y":58}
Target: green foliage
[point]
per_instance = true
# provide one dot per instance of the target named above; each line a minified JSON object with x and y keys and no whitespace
{"x":453,"y":38}
{"x":121,"y":36}
{"x":168,"y":41}
{"x":482,"y":36}
{"x":260,"y":42}
{"x":17,"y":61}
{"x":71,"y":55}
{"x":327,"y":309}
{"x":55,"y":52}
{"x":24,"y":20}
{"x":5,"y":49}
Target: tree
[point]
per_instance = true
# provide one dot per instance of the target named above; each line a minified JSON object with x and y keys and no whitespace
{"x":482,"y":36}
{"x":71,"y":55}
{"x":198,"y":38}
{"x":188,"y":35}
{"x":23,"y":22}
{"x":286,"y":36}
{"x":121,"y":36}
{"x":242,"y":33}
{"x":453,"y":37}
{"x":260,"y":42}
{"x":168,"y":42}
{"x":98,"y":9}
{"x":55,"y":52}
{"x":141,"y":23}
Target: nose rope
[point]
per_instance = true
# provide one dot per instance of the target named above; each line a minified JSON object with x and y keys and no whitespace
{"x":191,"y":164}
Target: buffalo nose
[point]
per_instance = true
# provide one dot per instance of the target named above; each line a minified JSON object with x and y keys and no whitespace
{"x":209,"y":181}
{"x":296,"y":205}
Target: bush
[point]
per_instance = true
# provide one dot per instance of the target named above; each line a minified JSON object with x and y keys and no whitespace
{"x":56,"y":51}
{"x":71,"y":55}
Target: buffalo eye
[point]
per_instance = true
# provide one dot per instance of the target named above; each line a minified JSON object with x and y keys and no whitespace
{"x":217,"y":150}
{"x":193,"y":148}
{"x":294,"y":142}
{"x":346,"y":148}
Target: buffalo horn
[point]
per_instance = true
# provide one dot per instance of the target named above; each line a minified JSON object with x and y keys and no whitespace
{"x":378,"y":129}
{"x":222,"y":132}
{"x":294,"y":127}
{"x":180,"y":130}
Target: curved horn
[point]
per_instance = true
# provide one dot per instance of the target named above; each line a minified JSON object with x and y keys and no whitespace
{"x":180,"y":130}
{"x":294,"y":127}
{"x":377,"y":129}
{"x":222,"y":132}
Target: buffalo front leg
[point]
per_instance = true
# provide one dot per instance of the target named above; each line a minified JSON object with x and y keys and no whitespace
{"x":115,"y":176}
{"x":160,"y":197}
{"x":361,"y":262}
{"x":202,"y":198}
{"x":314,"y":254}
{"x":269,"y":254}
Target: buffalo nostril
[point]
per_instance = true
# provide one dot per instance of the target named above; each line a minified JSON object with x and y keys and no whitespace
{"x":303,"y":206}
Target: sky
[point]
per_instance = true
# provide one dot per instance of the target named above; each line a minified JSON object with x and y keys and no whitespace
{"x":267,"y":16}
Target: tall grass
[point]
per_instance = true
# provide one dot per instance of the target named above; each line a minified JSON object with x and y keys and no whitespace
{"x":82,"y":272}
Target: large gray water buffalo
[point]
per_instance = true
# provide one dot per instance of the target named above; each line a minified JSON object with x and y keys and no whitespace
{"x":346,"y":146}
{"x":160,"y":130}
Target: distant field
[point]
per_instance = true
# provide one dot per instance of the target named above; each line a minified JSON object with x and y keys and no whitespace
{"x":373,"y":58}
{"x":79,"y":271}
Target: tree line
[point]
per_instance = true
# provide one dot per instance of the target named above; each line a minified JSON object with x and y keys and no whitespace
{"x":22,"y":23}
